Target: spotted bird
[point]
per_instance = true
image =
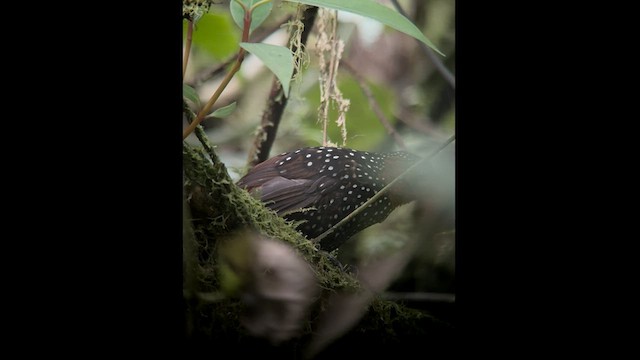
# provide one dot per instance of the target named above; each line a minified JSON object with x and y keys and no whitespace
{"x":322,"y":185}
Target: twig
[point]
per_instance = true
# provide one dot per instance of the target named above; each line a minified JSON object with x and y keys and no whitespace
{"x":277,"y":102}
{"x":187,"y":48}
{"x":425,"y":127}
{"x":256,"y":38}
{"x":200,"y":134}
{"x":375,"y":106}
{"x":226,"y":80}
{"x":382,"y":191}
{"x":446,"y":74}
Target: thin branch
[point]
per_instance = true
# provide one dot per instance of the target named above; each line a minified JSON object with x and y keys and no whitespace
{"x":225,"y":81}
{"x":277,"y":102}
{"x":375,"y":106}
{"x":446,"y":74}
{"x":187,"y":48}
{"x":199,"y":131}
{"x":215,"y":96}
{"x":423,"y":127}
{"x":382,"y":191}
{"x":209,"y":74}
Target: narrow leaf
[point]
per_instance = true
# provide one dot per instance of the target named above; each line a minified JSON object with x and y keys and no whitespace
{"x":191,"y":94}
{"x":258,"y":15}
{"x":373,"y":10}
{"x":224,"y":111}
{"x":277,"y":58}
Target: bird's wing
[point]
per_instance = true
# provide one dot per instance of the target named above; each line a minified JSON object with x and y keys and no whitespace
{"x":294,"y":186}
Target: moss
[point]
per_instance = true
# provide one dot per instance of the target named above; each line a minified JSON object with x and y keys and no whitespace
{"x":220,"y":208}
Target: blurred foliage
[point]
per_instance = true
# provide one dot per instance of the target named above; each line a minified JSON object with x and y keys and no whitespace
{"x":409,"y":88}
{"x":363,"y":128}
{"x":215,"y":34}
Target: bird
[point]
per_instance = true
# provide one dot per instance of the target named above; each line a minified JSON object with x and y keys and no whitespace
{"x":322,"y":185}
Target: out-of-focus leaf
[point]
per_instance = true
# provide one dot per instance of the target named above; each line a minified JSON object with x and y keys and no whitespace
{"x":275,"y":284}
{"x":191,"y":94}
{"x":224,"y":111}
{"x":215,"y":34}
{"x":258,"y":15}
{"x":373,"y":10}
{"x":277,"y":58}
{"x":364,"y":130}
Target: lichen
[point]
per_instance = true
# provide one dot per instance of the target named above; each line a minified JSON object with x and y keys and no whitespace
{"x":193,"y":10}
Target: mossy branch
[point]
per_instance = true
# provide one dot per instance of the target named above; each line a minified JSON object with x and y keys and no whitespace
{"x":212,"y":195}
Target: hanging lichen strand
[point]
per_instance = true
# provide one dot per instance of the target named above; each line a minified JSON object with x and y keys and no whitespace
{"x":328,"y":44}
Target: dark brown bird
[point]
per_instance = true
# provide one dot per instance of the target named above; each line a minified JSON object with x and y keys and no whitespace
{"x":330,"y":183}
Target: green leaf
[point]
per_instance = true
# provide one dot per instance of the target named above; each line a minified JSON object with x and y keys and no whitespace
{"x":224,"y":111}
{"x":258,"y":15}
{"x":373,"y":10}
{"x":190,"y":94}
{"x":277,"y":58}
{"x":215,"y":34}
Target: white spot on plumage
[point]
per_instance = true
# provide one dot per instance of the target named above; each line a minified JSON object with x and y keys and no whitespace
{"x":309,"y":163}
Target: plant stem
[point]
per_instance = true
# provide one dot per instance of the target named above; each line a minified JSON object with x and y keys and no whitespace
{"x":276,"y":101}
{"x":373,"y":103}
{"x":446,"y":74}
{"x":187,"y":48}
{"x":216,"y":95}
{"x":225,"y":81}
